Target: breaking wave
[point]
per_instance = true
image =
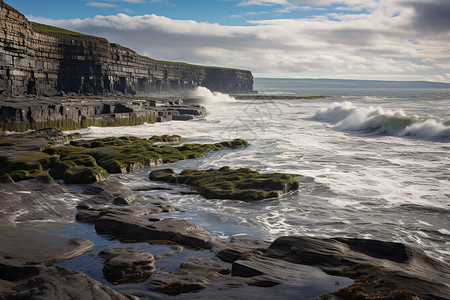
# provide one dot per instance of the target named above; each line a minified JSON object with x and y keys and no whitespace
{"x":346,"y":116}
{"x":202,"y":93}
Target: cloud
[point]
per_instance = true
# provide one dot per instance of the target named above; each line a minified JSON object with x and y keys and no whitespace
{"x":263,"y":2}
{"x":430,"y":16}
{"x":386,"y":42}
{"x":102,"y":5}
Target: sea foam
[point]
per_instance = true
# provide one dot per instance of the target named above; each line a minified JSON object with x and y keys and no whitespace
{"x":206,"y":95}
{"x":346,"y":116}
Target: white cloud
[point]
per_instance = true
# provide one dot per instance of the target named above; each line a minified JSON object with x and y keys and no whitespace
{"x":372,"y":44}
{"x":102,"y":4}
{"x":263,"y":2}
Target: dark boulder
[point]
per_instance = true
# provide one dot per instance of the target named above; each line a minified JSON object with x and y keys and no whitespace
{"x":127,"y":265}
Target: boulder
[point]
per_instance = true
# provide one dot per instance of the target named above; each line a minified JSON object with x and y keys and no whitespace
{"x":193,"y":275}
{"x":127,"y":265}
{"x":109,"y":192}
{"x":22,"y":248}
{"x":57,"y":284}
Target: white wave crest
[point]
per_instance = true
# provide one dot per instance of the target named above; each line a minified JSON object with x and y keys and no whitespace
{"x":207,"y":96}
{"x":427,"y":129}
{"x":346,"y":116}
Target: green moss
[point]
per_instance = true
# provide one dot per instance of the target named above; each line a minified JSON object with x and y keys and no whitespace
{"x":5,"y":178}
{"x":20,"y":175}
{"x":84,"y":175}
{"x":21,"y":165}
{"x":6,"y":143}
{"x":66,"y":125}
{"x":225,"y":183}
{"x":83,"y":162}
{"x":59,"y":169}
{"x":166,"y":138}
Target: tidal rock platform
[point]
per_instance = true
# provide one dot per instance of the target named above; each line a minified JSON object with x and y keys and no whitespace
{"x":22,"y":113}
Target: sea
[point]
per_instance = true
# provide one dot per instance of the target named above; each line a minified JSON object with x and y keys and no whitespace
{"x":373,"y":163}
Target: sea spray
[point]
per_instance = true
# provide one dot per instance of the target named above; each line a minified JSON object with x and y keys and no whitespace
{"x":208,"y":97}
{"x":377,"y":120}
{"x":214,"y":102}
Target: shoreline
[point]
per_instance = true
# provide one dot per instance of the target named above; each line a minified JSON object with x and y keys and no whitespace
{"x":253,"y":262}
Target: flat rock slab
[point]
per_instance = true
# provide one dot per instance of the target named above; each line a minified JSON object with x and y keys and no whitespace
{"x":109,"y":192}
{"x":33,"y":200}
{"x":57,"y":284}
{"x":127,"y":265}
{"x":393,"y":269}
{"x":141,"y":229}
{"x":24,"y":246}
{"x":268,"y":272}
{"x":193,"y":275}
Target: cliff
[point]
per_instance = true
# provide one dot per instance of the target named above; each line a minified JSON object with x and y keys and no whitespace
{"x":43,"y":60}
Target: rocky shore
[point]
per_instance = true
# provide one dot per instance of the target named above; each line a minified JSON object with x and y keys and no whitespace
{"x":333,"y":268}
{"x":66,"y":112}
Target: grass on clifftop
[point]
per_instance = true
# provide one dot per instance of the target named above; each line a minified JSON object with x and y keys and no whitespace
{"x":52,"y":29}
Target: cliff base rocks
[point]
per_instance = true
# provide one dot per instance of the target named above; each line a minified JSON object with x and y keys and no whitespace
{"x":76,"y":112}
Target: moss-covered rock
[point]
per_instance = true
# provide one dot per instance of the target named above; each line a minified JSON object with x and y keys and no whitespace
{"x":84,"y":175}
{"x":6,"y":143}
{"x":83,"y":162}
{"x":225,"y":183}
{"x":20,"y":175}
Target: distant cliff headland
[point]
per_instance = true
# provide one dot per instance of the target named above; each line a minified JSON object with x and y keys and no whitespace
{"x":38,"y":59}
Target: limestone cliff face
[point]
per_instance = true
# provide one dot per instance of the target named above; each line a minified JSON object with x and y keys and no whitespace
{"x":33,"y":61}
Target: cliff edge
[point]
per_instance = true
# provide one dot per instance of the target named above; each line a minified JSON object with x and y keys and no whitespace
{"x":42,"y":60}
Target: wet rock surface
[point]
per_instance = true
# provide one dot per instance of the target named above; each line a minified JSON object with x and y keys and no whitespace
{"x":25,"y":246}
{"x":140,"y":229}
{"x":33,"y":200}
{"x":388,"y":269}
{"x":194,"y":275}
{"x":57,"y":283}
{"x":127,"y":265}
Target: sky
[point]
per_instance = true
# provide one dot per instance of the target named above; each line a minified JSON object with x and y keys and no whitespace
{"x":343,"y":39}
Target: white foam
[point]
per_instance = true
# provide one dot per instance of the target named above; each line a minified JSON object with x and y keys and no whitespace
{"x":210,"y":97}
{"x":346,"y":116}
{"x":444,"y":231}
{"x":427,"y":129}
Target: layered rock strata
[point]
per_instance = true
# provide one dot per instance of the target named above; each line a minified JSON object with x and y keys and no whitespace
{"x":36,"y":60}
{"x":68,"y":113}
